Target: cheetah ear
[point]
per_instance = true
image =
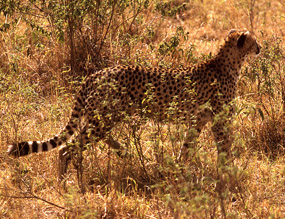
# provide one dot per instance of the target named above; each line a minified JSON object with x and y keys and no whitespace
{"x":241,"y":40}
{"x":232,"y":31}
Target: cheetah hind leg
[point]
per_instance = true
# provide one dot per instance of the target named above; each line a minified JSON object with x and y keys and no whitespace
{"x":120,"y":150}
{"x":65,"y":155}
{"x":64,"y":158}
{"x":66,"y":152}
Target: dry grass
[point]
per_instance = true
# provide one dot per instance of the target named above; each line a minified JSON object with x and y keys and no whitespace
{"x":36,"y":86}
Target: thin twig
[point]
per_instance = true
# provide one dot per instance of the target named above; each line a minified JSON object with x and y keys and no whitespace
{"x":108,"y":27}
{"x":35,"y":197}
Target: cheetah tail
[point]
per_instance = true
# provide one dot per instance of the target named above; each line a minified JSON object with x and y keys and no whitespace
{"x":27,"y":147}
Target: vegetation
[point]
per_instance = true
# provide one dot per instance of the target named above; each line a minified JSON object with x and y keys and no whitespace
{"x":49,"y":47}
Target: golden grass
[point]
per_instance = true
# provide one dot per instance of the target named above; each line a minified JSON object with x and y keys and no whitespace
{"x":34,"y":106}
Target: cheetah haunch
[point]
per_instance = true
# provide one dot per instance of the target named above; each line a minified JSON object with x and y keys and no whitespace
{"x":109,"y":95}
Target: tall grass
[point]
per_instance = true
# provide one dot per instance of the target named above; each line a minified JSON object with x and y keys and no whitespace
{"x":46,"y":51}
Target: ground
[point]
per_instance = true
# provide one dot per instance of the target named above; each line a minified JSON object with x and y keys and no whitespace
{"x":38,"y":81}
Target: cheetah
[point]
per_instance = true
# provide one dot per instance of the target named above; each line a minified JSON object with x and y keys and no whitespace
{"x":108,"y":95}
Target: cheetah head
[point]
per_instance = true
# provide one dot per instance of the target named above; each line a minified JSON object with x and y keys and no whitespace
{"x":245,"y":42}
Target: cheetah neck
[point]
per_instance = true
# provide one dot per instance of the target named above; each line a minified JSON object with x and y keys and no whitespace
{"x":230,"y":62}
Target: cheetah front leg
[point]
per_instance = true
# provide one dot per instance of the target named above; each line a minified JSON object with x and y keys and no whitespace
{"x":202,"y":118}
{"x":222,"y":133}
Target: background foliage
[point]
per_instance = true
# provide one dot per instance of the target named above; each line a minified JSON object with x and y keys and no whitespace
{"x":47,"y":49}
